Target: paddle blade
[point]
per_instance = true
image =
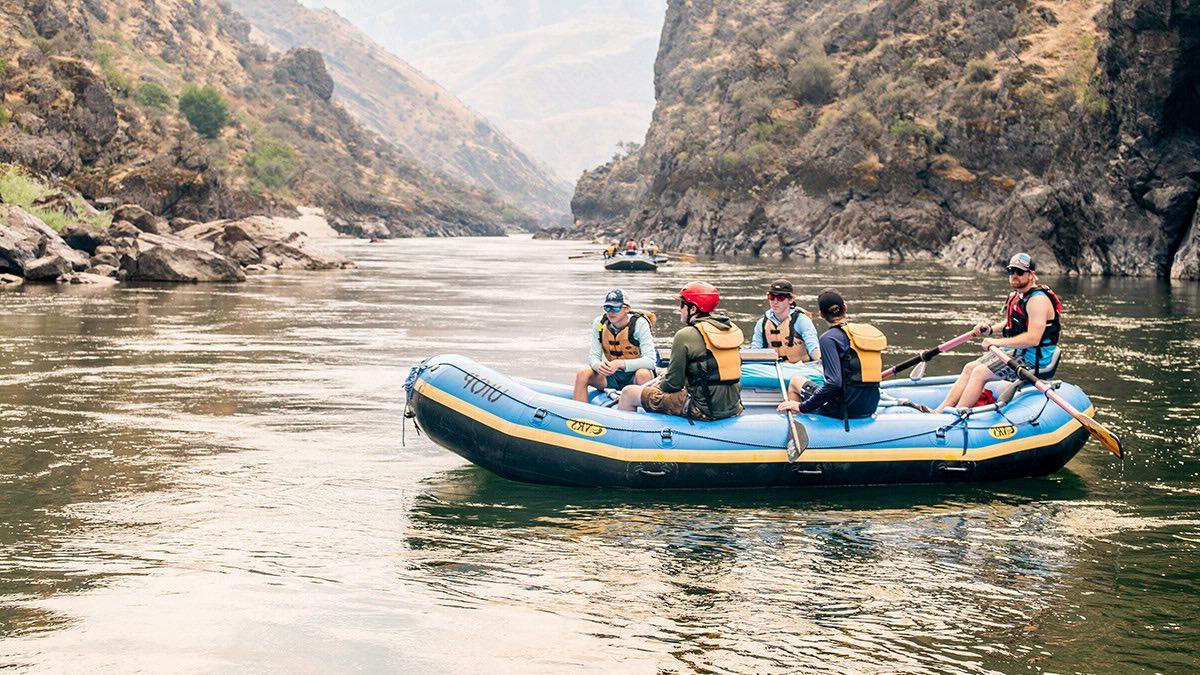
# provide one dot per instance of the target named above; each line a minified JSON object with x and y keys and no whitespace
{"x":1107,"y":438}
{"x":918,"y":372}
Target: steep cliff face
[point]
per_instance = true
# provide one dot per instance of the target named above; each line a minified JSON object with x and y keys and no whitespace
{"x":921,"y":128}
{"x":390,"y":97}
{"x":92,"y":95}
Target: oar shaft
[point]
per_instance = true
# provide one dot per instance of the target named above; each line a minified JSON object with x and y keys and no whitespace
{"x":928,"y":355}
{"x":1106,"y":437}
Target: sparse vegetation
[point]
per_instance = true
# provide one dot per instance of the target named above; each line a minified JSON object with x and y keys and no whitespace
{"x":153,"y":96}
{"x":116,"y":77}
{"x":810,"y":80}
{"x":980,"y":70}
{"x":5,"y":117}
{"x":273,"y":164}
{"x":18,"y":187}
{"x":205,"y":109}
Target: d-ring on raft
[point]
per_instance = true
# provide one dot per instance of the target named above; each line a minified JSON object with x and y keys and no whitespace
{"x":533,"y":431}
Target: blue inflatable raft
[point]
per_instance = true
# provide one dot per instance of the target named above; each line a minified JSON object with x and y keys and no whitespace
{"x":533,"y":431}
{"x":631,"y":262}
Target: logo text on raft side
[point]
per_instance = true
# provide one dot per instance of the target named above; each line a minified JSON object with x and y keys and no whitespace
{"x":482,"y":388}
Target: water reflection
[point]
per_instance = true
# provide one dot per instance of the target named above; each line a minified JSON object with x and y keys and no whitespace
{"x":205,"y":477}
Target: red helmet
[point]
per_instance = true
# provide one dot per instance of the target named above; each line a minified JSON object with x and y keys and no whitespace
{"x":703,"y":296}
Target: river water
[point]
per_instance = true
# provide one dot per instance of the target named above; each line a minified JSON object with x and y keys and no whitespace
{"x":198,"y":478}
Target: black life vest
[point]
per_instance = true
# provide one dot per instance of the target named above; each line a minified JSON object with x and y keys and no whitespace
{"x":1016,"y":319}
{"x":621,"y":344}
{"x":790,"y":347}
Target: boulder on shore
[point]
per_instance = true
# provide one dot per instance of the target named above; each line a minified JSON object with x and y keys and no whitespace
{"x":24,"y":238}
{"x":164,"y":258}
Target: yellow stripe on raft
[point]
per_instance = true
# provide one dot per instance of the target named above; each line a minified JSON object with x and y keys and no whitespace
{"x":759,"y":456}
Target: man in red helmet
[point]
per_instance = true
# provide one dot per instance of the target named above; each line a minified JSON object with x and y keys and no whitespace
{"x":704,"y":379}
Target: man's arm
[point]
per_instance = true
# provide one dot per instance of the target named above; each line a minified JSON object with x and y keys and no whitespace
{"x":756,"y":340}
{"x":808,"y":333}
{"x":833,"y":376}
{"x":595,"y":354}
{"x":676,"y":377}
{"x":1040,"y":311}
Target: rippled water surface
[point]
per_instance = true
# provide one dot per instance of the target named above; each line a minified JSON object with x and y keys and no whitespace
{"x":199,"y":478}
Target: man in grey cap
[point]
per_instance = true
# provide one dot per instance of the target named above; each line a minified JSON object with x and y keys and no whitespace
{"x":786,"y":328}
{"x":621,"y":349}
{"x":1030,"y":330}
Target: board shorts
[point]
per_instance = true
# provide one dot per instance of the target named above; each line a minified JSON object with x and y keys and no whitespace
{"x":675,"y":403}
{"x":1001,"y":369}
{"x":620,"y":379}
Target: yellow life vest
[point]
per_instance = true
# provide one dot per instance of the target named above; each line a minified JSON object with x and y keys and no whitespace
{"x":863,"y":362}
{"x":621,"y":345}
{"x":724,"y":358}
{"x":610,"y":251}
{"x":783,"y":338}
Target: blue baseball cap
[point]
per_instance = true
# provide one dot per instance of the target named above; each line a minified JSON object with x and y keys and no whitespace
{"x":615,"y":297}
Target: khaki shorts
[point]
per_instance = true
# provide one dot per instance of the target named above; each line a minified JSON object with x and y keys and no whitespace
{"x":677,"y":403}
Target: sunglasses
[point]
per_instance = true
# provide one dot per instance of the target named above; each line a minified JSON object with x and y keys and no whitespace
{"x":778,"y":296}
{"x":612,"y":309}
{"x":1016,"y":272}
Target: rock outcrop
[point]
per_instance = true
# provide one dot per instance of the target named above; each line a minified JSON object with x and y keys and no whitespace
{"x":90,"y":94}
{"x":204,"y":252}
{"x":920,"y":129}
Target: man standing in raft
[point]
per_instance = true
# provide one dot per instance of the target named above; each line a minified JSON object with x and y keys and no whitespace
{"x":785,"y":327}
{"x":853,"y":366}
{"x":1032,"y":322}
{"x":703,"y":381}
{"x":622,"y":348}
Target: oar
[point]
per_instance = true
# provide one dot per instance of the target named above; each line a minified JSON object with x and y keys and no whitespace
{"x":924,"y":357}
{"x":682,"y":257}
{"x":1107,"y":438}
{"x":584,"y":255}
{"x":799,"y":434}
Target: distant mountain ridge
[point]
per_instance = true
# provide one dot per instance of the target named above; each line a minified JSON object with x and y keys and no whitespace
{"x":93,"y":94}
{"x":410,"y":110}
{"x":567,"y":80}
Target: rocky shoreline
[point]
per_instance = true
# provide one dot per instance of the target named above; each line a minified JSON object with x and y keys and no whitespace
{"x":140,"y":246}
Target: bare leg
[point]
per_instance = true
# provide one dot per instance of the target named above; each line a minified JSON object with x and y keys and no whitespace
{"x":959,"y":385}
{"x":796,"y":387}
{"x":970,"y":394}
{"x":631,"y":397}
{"x":642,"y":376}
{"x":583,"y":378}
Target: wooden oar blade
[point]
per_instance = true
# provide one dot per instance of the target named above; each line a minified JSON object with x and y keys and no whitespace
{"x":1107,"y":438}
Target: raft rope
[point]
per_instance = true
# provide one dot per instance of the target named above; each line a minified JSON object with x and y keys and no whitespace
{"x":962,"y":419}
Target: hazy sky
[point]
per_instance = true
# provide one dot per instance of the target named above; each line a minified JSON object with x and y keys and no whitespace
{"x":566,"y":80}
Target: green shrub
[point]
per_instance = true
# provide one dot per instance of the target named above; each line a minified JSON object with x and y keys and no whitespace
{"x":509,"y":215}
{"x":273,"y":164}
{"x":1031,"y":97}
{"x":763,"y":130}
{"x":810,"y":80}
{"x":205,"y":109}
{"x":980,"y":70}
{"x":3,"y":69}
{"x":5,"y":117}
{"x":908,"y":131}
{"x":153,"y":95}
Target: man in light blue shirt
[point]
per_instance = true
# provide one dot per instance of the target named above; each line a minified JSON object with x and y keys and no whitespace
{"x":786,"y":328}
{"x":621,"y":350}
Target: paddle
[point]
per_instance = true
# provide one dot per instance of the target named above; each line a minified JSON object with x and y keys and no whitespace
{"x":799,"y":434}
{"x":682,"y":257}
{"x":584,"y":255}
{"x":924,"y":357}
{"x":1107,"y":438}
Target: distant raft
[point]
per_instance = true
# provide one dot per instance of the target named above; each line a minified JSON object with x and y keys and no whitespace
{"x":631,"y":262}
{"x":534,"y":432}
